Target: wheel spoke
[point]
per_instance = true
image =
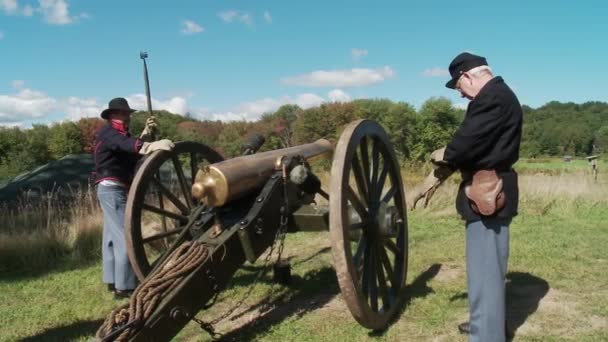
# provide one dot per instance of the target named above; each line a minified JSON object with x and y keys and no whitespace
{"x":382,"y":179}
{"x":375,"y":168}
{"x":366,"y":270}
{"x":371,"y":279}
{"x":360,"y":178}
{"x":382,"y":281}
{"x":356,"y":226}
{"x":357,"y":204}
{"x":162,"y":235}
{"x":387,"y":266}
{"x":193,"y":166}
{"x":361,"y":248}
{"x":170,"y":196}
{"x":183,"y":184}
{"x":161,"y":204}
{"x":390,"y":194}
{"x":365,"y":161}
{"x":392,"y":247}
{"x":165,"y":213}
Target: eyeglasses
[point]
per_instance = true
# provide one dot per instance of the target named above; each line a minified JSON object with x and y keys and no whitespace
{"x":457,"y":84}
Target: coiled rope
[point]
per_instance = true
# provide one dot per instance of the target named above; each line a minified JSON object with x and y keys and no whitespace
{"x":123,"y":322}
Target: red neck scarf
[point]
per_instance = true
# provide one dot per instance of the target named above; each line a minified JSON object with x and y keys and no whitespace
{"x":120,"y":126}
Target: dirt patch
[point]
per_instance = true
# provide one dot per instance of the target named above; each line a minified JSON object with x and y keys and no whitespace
{"x":449,"y":272}
{"x":559,"y":313}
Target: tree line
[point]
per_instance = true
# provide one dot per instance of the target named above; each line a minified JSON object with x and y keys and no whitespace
{"x":554,"y":129}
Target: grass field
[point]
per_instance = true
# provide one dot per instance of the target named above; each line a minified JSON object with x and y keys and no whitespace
{"x":557,"y":281}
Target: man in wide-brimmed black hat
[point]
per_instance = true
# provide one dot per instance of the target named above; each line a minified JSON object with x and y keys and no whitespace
{"x":484,"y":149}
{"x":116,"y":154}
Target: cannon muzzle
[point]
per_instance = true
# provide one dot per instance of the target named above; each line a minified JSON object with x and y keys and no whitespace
{"x":220,"y":183}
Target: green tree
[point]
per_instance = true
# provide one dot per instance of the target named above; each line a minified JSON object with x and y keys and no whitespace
{"x":437,"y":122}
{"x":231,"y":139}
{"x":399,"y":119}
{"x":325,"y":121}
{"x":65,"y":139}
{"x":601,"y":140}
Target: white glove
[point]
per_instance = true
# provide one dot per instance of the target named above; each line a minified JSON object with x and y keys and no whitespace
{"x":149,"y":147}
{"x":149,"y":128}
{"x":437,"y":155}
{"x":441,"y":169}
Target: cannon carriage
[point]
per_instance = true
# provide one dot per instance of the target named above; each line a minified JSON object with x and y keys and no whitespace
{"x":193,"y":219}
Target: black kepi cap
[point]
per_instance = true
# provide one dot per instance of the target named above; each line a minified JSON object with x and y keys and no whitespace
{"x":118,"y":104}
{"x":461,"y":64}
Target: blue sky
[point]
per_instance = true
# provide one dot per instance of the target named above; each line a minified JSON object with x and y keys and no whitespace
{"x":65,"y":59}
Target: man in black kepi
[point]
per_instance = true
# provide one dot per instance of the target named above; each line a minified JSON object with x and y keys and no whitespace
{"x":484,"y":149}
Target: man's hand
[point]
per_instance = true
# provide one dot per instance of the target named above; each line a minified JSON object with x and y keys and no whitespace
{"x":441,"y":169}
{"x":149,"y":128}
{"x":437,"y":155}
{"x":149,"y":147}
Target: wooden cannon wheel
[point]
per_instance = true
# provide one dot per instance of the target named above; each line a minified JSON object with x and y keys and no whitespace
{"x":368,"y":224}
{"x":159,"y":205}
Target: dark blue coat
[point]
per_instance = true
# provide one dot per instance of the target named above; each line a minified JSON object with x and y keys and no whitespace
{"x":488,"y":138}
{"x":115,"y":154}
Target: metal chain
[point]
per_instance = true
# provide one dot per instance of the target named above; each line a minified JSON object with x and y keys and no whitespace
{"x":280,"y":237}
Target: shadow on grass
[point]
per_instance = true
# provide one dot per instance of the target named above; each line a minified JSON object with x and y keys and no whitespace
{"x":304,"y":295}
{"x":250,"y":270}
{"x":309,"y":293}
{"x":417,"y":289}
{"x":60,"y":264}
{"x":67,"y":333}
{"x":524,"y":293}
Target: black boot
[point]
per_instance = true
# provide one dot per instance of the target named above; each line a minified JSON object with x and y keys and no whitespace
{"x":119,"y":294}
{"x":465,"y":328}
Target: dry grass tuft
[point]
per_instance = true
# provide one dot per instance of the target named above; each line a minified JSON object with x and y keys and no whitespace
{"x":35,"y":235}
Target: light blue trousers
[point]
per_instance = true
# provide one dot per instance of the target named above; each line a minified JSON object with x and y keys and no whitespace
{"x":487,"y":249}
{"x":115,"y":262}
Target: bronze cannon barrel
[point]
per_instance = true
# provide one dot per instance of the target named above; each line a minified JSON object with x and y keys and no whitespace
{"x":219,"y":183}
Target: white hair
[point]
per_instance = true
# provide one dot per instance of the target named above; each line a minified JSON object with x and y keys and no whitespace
{"x":481,"y":70}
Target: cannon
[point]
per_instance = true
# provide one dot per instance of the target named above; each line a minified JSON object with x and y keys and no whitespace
{"x":193,"y":219}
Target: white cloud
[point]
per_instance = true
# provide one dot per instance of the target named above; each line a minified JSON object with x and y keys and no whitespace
{"x":309,"y":100}
{"x":55,"y":12}
{"x":26,"y":104}
{"x":12,"y":7}
{"x":28,"y":11}
{"x":435,"y":72}
{"x":176,"y":104}
{"x":338,"y":95}
{"x":1,"y":34}
{"x":341,"y":78}
{"x":267,"y":17}
{"x":253,"y":110}
{"x":9,"y":6}
{"x":358,"y":53}
{"x":77,"y":108}
{"x":236,"y":16}
{"x":190,"y":27}
{"x":18,"y":84}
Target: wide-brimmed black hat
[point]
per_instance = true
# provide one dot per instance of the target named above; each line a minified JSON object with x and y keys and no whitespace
{"x":461,"y":64}
{"x":118,"y":104}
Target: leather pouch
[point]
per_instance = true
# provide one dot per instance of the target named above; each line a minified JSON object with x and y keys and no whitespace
{"x":485,"y":193}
